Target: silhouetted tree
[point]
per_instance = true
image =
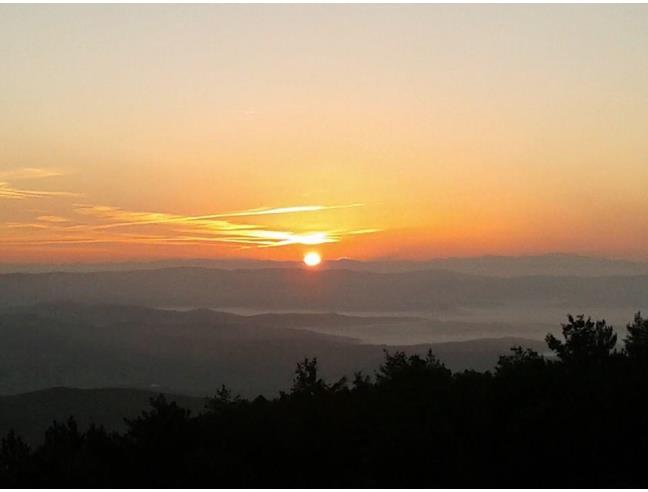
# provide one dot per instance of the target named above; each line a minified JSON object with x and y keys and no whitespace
{"x":15,"y":458}
{"x":400,"y":368}
{"x":165,"y":419}
{"x":223,"y":398}
{"x":361,"y":381}
{"x":308,"y":383}
{"x":585,"y":340}
{"x":522,"y":359}
{"x":636,"y":343}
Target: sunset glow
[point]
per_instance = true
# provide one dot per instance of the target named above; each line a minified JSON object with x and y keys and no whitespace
{"x":221,"y":131}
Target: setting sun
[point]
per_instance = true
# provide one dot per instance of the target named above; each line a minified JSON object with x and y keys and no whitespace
{"x":312,"y":259}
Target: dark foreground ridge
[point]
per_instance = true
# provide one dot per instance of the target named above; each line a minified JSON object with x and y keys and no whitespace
{"x":577,"y":420}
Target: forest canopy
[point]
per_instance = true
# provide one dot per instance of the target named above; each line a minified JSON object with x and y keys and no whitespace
{"x":576,"y":418}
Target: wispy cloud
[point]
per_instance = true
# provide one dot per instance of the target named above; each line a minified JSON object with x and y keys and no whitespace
{"x":125,"y":218}
{"x":101,"y":224}
{"x":53,"y":219}
{"x":11,"y":192}
{"x":280,"y":210}
{"x":29,"y":173}
{"x":95,"y":224}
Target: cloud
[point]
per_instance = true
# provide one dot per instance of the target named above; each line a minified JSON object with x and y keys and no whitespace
{"x":53,"y":219}
{"x":280,"y":210}
{"x":29,"y":173}
{"x":10,"y":192}
{"x":126,"y":218}
{"x":96,"y":224}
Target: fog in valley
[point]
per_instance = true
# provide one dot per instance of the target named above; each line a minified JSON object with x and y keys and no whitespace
{"x":189,"y":329}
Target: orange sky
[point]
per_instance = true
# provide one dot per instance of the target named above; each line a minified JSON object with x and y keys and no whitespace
{"x":144,"y":132}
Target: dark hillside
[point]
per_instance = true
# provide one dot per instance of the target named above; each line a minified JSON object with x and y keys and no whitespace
{"x":575,"y":420}
{"x":194,"y":352}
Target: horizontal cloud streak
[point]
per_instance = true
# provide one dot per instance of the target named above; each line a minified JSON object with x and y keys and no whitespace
{"x":52,"y":219}
{"x":281,"y":210}
{"x":29,"y":173}
{"x":143,"y":218}
{"x":7,"y":191}
{"x":94,"y":224}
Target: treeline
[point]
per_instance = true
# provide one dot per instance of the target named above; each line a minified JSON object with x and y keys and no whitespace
{"x":576,"y":419}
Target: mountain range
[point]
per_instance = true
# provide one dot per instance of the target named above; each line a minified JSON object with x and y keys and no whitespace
{"x":555,"y":264}
{"x":323,"y":290}
{"x":195,"y":352}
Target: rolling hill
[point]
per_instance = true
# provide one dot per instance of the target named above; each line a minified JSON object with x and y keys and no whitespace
{"x":192,"y":352}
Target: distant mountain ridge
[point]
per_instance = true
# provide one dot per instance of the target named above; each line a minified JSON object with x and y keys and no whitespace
{"x":500,"y":266}
{"x":322,"y":290}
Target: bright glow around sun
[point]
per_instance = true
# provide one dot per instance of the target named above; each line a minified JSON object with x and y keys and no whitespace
{"x":312,"y":259}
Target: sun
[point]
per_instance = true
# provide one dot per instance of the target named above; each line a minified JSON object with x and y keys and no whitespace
{"x":312,"y":259}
